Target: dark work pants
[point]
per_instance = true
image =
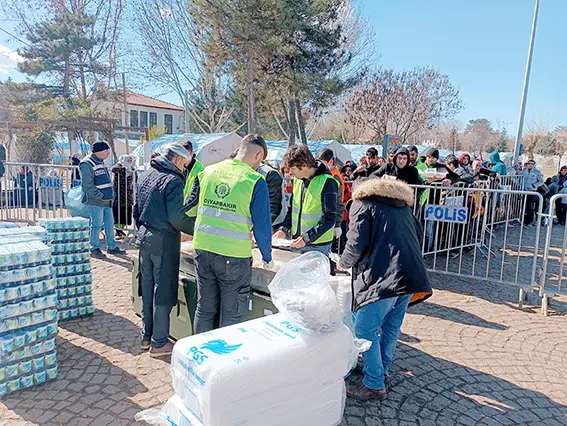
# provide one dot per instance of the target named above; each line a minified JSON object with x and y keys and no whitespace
{"x":532,"y":205}
{"x":223,"y":286}
{"x":155,"y":318}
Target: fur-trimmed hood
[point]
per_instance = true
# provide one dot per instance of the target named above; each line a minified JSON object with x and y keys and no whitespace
{"x":385,"y":189}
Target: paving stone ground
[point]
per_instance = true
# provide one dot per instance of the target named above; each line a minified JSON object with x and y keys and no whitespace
{"x":466,"y":356}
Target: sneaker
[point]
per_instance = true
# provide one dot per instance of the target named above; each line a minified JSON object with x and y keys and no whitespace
{"x":97,"y":254}
{"x":166,"y":349}
{"x":363,"y":393}
{"x":146,"y":344}
{"x":116,"y":250}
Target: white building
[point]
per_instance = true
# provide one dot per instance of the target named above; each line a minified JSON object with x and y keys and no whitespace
{"x":143,"y":111}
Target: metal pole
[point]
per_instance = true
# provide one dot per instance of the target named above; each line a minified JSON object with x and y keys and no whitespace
{"x":126,"y":124}
{"x":187,"y":127}
{"x":526,"y":84}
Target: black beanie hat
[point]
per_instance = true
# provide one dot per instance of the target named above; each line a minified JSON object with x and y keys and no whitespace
{"x":100,"y":146}
{"x":432,"y":152}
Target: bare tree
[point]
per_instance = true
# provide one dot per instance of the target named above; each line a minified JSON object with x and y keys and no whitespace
{"x":403,"y":103}
{"x":479,"y":135}
{"x":171,"y":57}
{"x":535,"y":131}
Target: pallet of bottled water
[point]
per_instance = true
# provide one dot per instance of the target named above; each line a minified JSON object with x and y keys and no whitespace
{"x":28,"y":315}
{"x":72,"y":265}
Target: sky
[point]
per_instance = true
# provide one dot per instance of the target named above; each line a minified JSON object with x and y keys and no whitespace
{"x":482,"y":45}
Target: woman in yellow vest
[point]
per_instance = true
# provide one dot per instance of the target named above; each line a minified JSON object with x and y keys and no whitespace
{"x":313,"y":212}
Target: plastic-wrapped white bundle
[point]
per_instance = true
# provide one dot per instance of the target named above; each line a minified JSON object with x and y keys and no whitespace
{"x":329,"y":404}
{"x":301,"y":289}
{"x":34,"y":230}
{"x":341,"y":284}
{"x":265,"y":371}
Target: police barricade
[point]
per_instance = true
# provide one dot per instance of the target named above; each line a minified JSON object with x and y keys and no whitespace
{"x":53,"y":182}
{"x":459,"y":236}
{"x":32,"y":191}
{"x":553,"y":279}
{"x":513,"y":185}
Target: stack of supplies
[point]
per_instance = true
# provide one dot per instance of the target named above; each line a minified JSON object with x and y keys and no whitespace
{"x":72,"y":265}
{"x":28,"y":316}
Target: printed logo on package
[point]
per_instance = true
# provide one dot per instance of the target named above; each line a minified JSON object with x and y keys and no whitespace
{"x":220,"y":347}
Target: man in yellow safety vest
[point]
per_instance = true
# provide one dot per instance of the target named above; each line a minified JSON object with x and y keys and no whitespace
{"x":232,"y":200}
{"x":192,"y":170}
{"x":313,"y":213}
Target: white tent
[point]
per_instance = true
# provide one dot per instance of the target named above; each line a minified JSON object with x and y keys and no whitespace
{"x":120,"y":146}
{"x":276,"y":149}
{"x":209,"y":147}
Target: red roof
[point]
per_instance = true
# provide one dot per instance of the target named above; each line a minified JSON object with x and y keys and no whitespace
{"x":143,"y":100}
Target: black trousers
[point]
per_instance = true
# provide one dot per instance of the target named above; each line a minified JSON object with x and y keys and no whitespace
{"x":223,"y":288}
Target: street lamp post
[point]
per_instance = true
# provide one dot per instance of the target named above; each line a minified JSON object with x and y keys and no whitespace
{"x":526,"y":84}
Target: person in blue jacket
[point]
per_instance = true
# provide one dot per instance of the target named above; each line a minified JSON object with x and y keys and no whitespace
{"x":497,"y":164}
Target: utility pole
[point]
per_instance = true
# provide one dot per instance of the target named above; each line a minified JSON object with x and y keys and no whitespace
{"x":526,"y":85}
{"x":125,"y":114}
{"x":187,"y":127}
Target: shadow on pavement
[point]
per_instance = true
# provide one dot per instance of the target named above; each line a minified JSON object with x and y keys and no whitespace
{"x":429,"y":390}
{"x":492,"y":292}
{"x":89,"y":389}
{"x":109,"y":329}
{"x":453,"y":314}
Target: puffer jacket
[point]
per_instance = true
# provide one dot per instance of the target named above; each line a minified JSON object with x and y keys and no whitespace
{"x":383,"y":245}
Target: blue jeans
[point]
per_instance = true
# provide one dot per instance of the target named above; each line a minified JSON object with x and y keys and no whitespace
{"x":155,"y":318}
{"x":101,"y":216}
{"x":386,"y":315}
{"x":325,"y":249}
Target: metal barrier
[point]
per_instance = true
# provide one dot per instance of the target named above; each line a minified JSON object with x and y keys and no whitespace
{"x":553,"y":280}
{"x":29,"y":192}
{"x":461,"y":236}
{"x":32,"y":191}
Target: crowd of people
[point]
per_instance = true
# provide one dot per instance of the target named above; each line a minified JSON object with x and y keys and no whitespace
{"x":362,"y":212}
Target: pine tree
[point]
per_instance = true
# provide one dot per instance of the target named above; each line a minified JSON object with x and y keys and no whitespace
{"x":58,"y":47}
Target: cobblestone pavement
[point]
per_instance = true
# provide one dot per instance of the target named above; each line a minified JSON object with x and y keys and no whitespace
{"x":466,"y":356}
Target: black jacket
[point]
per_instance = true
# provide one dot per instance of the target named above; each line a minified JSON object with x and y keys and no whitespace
{"x":460,"y":175}
{"x":368,"y":170}
{"x":275,"y":181}
{"x":329,"y":201}
{"x":409,"y":174}
{"x":383,"y":245}
{"x":159,"y":213}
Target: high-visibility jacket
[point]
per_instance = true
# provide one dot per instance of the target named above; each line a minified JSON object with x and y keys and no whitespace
{"x":224,"y":220}
{"x":307,"y":211}
{"x":195,"y":170}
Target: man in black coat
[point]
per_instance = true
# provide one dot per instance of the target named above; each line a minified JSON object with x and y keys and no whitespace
{"x":388,"y":273}
{"x":400,"y":168}
{"x":160,"y":216}
{"x":372,"y":164}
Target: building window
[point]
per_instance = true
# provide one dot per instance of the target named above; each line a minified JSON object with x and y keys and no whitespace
{"x":133,"y":118}
{"x":168,"y":121}
{"x":153,"y":119}
{"x":143,"y":119}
